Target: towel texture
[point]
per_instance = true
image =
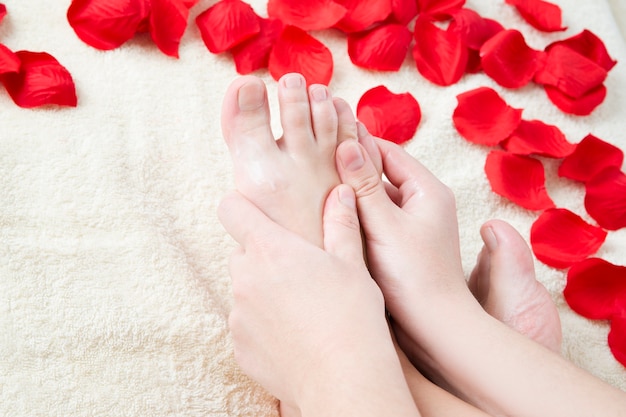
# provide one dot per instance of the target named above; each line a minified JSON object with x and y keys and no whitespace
{"x":114,"y":287}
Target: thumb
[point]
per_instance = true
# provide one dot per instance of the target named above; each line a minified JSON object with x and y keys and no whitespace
{"x":356,"y":169}
{"x":342,"y":232}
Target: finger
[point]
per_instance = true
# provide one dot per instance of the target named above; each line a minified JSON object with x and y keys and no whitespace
{"x":402,"y":168}
{"x":356,"y":169}
{"x":342,"y":232}
{"x":242,"y":219}
{"x":415,"y":183}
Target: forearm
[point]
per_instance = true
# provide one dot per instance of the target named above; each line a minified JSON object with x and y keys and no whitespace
{"x":433,"y":401}
{"x":361,"y":385}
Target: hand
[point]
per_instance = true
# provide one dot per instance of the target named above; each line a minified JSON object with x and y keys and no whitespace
{"x":410,"y":228}
{"x":305,"y":317}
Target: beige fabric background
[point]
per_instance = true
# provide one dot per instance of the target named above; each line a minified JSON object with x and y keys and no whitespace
{"x":114,"y":292}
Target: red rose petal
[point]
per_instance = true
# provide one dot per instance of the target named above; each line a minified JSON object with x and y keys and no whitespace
{"x":168,"y":22}
{"x":227,"y":24}
{"x":482,"y":117}
{"x":617,"y":339}
{"x":588,"y":45}
{"x":307,"y":15}
{"x":473,"y":29}
{"x":41,"y":80}
{"x":440,"y":55}
{"x":508,"y":60}
{"x":403,"y":11}
{"x":519,"y":178}
{"x":106,"y":24}
{"x":590,"y":156}
{"x":536,"y":137}
{"x":560,"y":238}
{"x":3,"y":11}
{"x":473,"y":62}
{"x":9,"y":62}
{"x":541,"y":15}
{"x":596,"y":289}
{"x":254,"y":53}
{"x":439,"y":9}
{"x":605,"y":198}
{"x":393,"y":117}
{"x":297,"y":51}
{"x":383,"y":48}
{"x":581,"y":106}
{"x":570,"y":72}
{"x":361,"y":14}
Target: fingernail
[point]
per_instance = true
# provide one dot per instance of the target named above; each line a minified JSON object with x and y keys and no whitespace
{"x":490,"y":239}
{"x":346,"y":196}
{"x":293,"y":81}
{"x":351,"y":156}
{"x":319,"y":93}
{"x":251,"y":96}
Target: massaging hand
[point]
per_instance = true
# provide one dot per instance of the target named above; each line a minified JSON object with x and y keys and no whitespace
{"x":308,"y":321}
{"x":410,"y":227}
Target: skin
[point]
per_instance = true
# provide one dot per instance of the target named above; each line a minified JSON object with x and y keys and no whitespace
{"x":288,"y":180}
{"x":412,"y":245}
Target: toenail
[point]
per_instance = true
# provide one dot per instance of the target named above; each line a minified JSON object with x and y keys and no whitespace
{"x":351,"y":156}
{"x":251,"y":96}
{"x":293,"y":81}
{"x":490,"y":239}
{"x":319,"y":93}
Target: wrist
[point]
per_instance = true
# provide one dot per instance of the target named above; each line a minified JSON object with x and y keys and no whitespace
{"x":360,"y":382}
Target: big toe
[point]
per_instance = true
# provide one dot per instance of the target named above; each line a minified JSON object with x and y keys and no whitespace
{"x":504,"y":283}
{"x":246,"y":116}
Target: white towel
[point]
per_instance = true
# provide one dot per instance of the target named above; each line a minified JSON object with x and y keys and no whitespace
{"x":114,"y":289}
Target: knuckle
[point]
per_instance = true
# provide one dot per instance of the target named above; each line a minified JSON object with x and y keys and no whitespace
{"x":347,"y":220}
{"x":367,"y":186}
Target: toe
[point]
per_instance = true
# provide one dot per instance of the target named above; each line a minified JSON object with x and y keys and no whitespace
{"x":295,"y":114}
{"x":246,"y":116}
{"x":504,"y":281}
{"x":508,"y":271}
{"x":346,"y":129}
{"x":323,"y":116}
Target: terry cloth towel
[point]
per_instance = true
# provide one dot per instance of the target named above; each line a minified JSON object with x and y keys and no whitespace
{"x":114,"y":287}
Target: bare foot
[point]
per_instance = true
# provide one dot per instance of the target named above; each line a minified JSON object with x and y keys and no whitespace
{"x":289,"y":178}
{"x":504,"y":283}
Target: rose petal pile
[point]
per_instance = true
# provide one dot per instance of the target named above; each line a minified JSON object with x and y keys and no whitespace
{"x":572,"y":71}
{"x":448,"y":40}
{"x":35,"y":79}
{"x":484,"y":118}
{"x":107,"y":24}
{"x":559,"y":237}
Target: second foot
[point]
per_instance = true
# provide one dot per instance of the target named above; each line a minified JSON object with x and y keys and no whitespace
{"x":504,"y":282}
